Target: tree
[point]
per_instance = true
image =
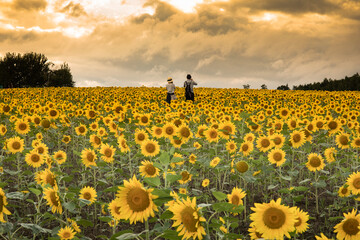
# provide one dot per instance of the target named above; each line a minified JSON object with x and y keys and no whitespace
{"x":61,"y":77}
{"x":246,"y":86}
{"x":29,"y":70}
{"x":283,"y":87}
{"x":263,"y":86}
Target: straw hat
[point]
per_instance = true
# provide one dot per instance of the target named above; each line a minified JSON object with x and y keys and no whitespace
{"x":170,"y":80}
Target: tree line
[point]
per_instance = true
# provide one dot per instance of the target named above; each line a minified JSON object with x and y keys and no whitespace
{"x":33,"y":70}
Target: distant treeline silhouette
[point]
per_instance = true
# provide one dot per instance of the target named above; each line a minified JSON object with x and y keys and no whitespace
{"x":346,"y":84}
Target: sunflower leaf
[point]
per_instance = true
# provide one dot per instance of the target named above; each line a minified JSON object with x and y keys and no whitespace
{"x":37,"y":192}
{"x":154,"y":182}
{"x":173,"y":178}
{"x":164,"y":158}
{"x":219,"y":195}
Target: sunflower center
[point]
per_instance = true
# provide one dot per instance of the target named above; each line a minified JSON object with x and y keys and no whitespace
{"x":177,"y":141}
{"x":343,"y":140}
{"x":53,"y":199}
{"x":1,"y":203}
{"x":235,"y":200}
{"x":356,"y":183}
{"x":177,"y":122}
{"x":293,"y":124}
{"x":315,"y":162}
{"x":141,"y":137}
{"x":6,"y":109}
{"x":332,"y":125}
{"x":144,"y":119}
{"x":22,"y":126}
{"x":169,"y":130}
{"x":278,"y":126}
{"x":185,"y":175}
{"x":158,"y":131}
{"x":277,"y":156}
{"x":265,"y":143}
{"x":185,"y":132}
{"x":117,"y":210}
{"x":274,"y":218}
{"x":97,"y":140}
{"x":66,"y":139}
{"x":87,"y":195}
{"x":242,"y":166}
{"x":319,"y":124}
{"x":108,"y":152}
{"x":227,"y":130}
{"x":213,"y":134}
{"x":357,"y":142}
{"x":150,"y":147}
{"x":50,"y":179}
{"x":188,"y":219}
{"x":35,"y":158}
{"x":16,"y":145}
{"x":118,"y":109}
{"x":344,"y":190}
{"x":92,"y":114}
{"x":351,"y":226}
{"x":81,"y":129}
{"x":298,"y":222}
{"x":232,"y":146}
{"x":53,"y":113}
{"x":66,"y":235}
{"x":40,"y":150}
{"x":150,"y":169}
{"x":201,"y":132}
{"x":45,"y":123}
{"x":310,"y":127}
{"x":90,"y":157}
{"x":245,"y":147}
{"x":296,"y":138}
{"x":284,"y":112}
{"x":138,"y":199}
{"x":277,"y":141}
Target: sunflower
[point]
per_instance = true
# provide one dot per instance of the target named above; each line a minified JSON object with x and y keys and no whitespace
{"x":169,"y":130}
{"x":182,"y":191}
{"x":157,"y":132}
{"x":246,"y":148}
{"x":34,"y":159}
{"x":302,"y":217}
{"x":333,"y":126}
{"x":236,"y":196}
{"x":205,"y":182}
{"x":144,"y":119}
{"x":3,"y":203}
{"x":211,"y":134}
{"x":150,"y":148}
{"x":66,"y":139}
{"x":315,"y":162}
{"x":231,"y":146}
{"x":249,"y":137}
{"x":185,"y":177}
{"x":184,"y":132}
{"x":3,"y":129}
{"x":101,"y":132}
{"x":200,"y":131}
{"x":284,"y":113}
{"x":242,"y":166}
{"x":74,"y":225}
{"x":136,"y":202}
{"x":264,"y":143}
{"x":88,"y":157}
{"x":95,"y":141}
{"x":47,"y":177}
{"x":342,"y":140}
{"x":177,"y":142}
{"x":253,"y":233}
{"x":192,"y":158}
{"x":355,"y":143}
{"x":81,"y":130}
{"x":42,"y":149}
{"x":53,"y":199}
{"x":88,"y":193}
{"x":66,"y":233}
{"x":344,"y":191}
{"x":277,"y":156}
{"x":90,"y":114}
{"x":140,"y":136}
{"x":107,"y":152}
{"x":215,"y":162}
{"x":353,"y":181}
{"x":22,"y":127}
{"x":123,"y":144}
{"x":147,"y":169}
{"x":114,"y":207}
{"x":187,"y":219}
{"x":297,"y":138}
{"x":226,"y":129}
{"x":273,"y":220}
{"x":348,"y":228}
{"x":94,"y":126}
{"x":15,"y":144}
{"x":321,"y":237}
{"x":329,"y":154}
{"x":278,"y":140}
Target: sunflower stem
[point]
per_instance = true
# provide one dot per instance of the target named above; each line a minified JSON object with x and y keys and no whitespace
{"x":316,"y":194}
{"x":147,"y":230}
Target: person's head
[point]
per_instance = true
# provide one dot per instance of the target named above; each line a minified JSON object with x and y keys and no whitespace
{"x":188,"y":76}
{"x":170,"y":80}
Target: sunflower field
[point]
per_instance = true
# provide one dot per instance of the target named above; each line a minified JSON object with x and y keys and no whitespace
{"x":121,"y":163}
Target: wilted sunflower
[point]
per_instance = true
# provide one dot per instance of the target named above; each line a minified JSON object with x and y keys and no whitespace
{"x":353,"y":181}
{"x":185,"y":177}
{"x":141,"y":136}
{"x":343,"y":191}
{"x":66,"y":233}
{"x":242,"y":166}
{"x":81,"y":130}
{"x":3,"y":203}
{"x":187,"y":219}
{"x":114,"y":207}
{"x":302,"y":217}
{"x":88,"y":157}
{"x":150,"y":148}
{"x":34,"y":159}
{"x":297,"y":138}
{"x":107,"y":152}
{"x":22,"y":127}
{"x":277,"y":156}
{"x":88,"y":193}
{"x":215,"y":162}
{"x":147,"y":169}
{"x":264,"y":143}
{"x":315,"y":162}
{"x":329,"y":154}
{"x":348,"y":228}
{"x":273,"y":220}
{"x":136,"y":202}
{"x":342,"y":140}
{"x":211,"y":134}
{"x":15,"y":144}
{"x":231,"y":146}
{"x":53,"y":200}
{"x":236,"y":196}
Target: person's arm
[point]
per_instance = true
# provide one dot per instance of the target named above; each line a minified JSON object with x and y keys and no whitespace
{"x":194,"y":83}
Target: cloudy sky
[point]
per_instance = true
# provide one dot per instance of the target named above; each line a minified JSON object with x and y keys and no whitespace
{"x":222,"y":43}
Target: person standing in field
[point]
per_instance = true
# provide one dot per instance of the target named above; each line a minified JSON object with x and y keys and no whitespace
{"x":170,"y":87}
{"x":189,"y":88}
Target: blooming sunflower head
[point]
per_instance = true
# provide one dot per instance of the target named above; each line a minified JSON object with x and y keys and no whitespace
{"x":348,"y":228}
{"x":88,"y":193}
{"x":150,"y":148}
{"x":315,"y":162}
{"x":353,"y":181}
{"x":148,"y":169}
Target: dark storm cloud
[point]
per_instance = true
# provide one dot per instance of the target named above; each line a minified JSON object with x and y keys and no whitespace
{"x":74,"y":9}
{"x":29,"y":5}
